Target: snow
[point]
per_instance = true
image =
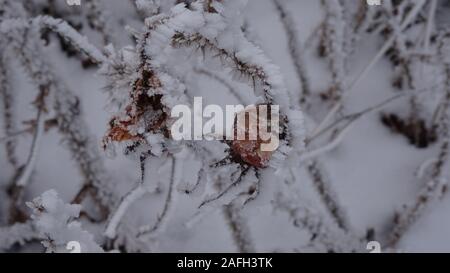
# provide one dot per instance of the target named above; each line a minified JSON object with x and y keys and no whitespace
{"x":53,"y":219}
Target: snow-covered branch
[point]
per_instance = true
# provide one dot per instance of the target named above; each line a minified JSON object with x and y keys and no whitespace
{"x":54,"y":220}
{"x":8,"y":111}
{"x":295,"y":50}
{"x":59,"y":26}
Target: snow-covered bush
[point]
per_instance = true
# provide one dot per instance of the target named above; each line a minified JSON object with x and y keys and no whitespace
{"x":55,"y":223}
{"x":152,"y":55}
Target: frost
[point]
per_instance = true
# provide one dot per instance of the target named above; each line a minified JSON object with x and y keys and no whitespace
{"x":17,"y":234}
{"x":54,"y":220}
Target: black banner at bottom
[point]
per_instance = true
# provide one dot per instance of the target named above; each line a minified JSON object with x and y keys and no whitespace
{"x":276,"y":262}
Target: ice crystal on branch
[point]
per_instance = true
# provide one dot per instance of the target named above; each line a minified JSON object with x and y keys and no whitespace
{"x":56,"y":224}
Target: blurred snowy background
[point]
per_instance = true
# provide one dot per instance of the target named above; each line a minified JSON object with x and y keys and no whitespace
{"x":375,"y":169}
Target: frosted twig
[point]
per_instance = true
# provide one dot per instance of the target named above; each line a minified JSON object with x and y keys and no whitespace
{"x":420,"y":173}
{"x":14,"y":135}
{"x":148,"y":8}
{"x":352,"y":118}
{"x":81,"y":145}
{"x":436,"y":185}
{"x":72,"y":36}
{"x":19,"y":233}
{"x":8,"y":102}
{"x":20,"y":183}
{"x":333,"y":44}
{"x":129,"y":199}
{"x":201,"y":179}
{"x":430,"y":24}
{"x":54,"y":221}
{"x":239,"y":229}
{"x":335,"y":142}
{"x":23,"y":178}
{"x":59,"y":26}
{"x":357,"y":23}
{"x":303,"y":217}
{"x":316,"y":172}
{"x":221,"y":80}
{"x":71,"y":124}
{"x":98,"y":19}
{"x":329,"y":197}
{"x":177,"y":171}
{"x":294,"y":49}
{"x":351,"y":88}
{"x":68,"y":114}
{"x":227,"y":189}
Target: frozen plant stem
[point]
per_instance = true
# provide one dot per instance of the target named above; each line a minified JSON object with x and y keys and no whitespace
{"x":14,"y":135}
{"x":333,"y":43}
{"x":436,"y":185}
{"x":322,"y":232}
{"x":19,"y":233}
{"x":294,"y":49}
{"x":430,"y":25}
{"x":24,"y":177}
{"x":126,"y":202}
{"x":329,"y":198}
{"x":411,"y":16}
{"x":58,"y":26}
{"x":350,"y":120}
{"x":239,"y":229}
{"x":176,"y":173}
{"x":8,"y":103}
{"x":217,"y":77}
{"x":16,"y":191}
{"x":66,"y":105}
{"x":69,"y":122}
{"x":98,"y":19}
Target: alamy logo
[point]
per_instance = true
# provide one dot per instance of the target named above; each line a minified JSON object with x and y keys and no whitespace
{"x":257,"y":123}
{"x":74,"y":247}
{"x":73,"y":2}
{"x":373,"y":2}
{"x":374,"y":247}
